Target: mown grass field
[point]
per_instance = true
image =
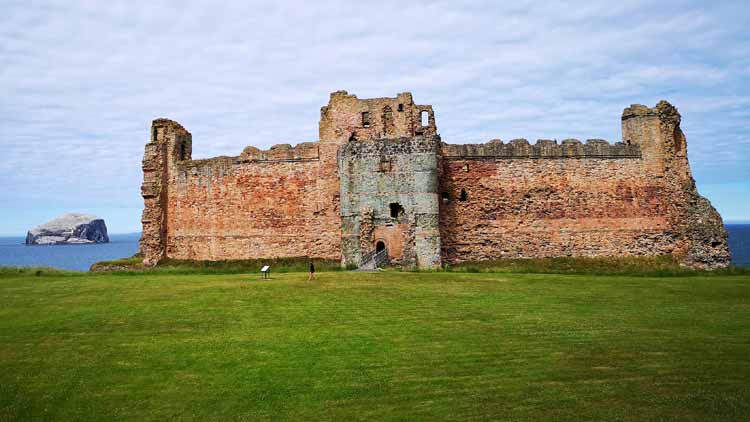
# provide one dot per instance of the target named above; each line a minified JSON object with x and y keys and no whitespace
{"x":383,"y":346}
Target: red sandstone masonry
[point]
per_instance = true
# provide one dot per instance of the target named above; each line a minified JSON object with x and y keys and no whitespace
{"x":501,"y":200}
{"x":225,"y":209}
{"x":549,"y":208}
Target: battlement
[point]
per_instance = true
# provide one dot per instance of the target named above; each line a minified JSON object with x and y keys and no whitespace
{"x":543,"y":149}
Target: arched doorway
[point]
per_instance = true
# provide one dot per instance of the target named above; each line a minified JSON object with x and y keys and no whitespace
{"x":380,"y":246}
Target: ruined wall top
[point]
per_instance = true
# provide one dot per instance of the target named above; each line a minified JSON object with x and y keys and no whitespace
{"x":544,"y":148}
{"x":347,"y":117}
{"x":663,"y":110}
{"x":282,"y":152}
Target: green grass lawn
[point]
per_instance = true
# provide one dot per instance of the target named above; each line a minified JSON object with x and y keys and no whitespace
{"x":387,"y":346}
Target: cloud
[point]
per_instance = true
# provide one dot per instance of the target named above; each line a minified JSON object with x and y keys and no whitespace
{"x":82,"y":80}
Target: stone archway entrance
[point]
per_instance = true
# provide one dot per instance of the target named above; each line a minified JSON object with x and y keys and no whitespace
{"x":380,"y":246}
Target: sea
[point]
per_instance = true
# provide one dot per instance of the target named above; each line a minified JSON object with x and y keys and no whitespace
{"x":13,"y":251}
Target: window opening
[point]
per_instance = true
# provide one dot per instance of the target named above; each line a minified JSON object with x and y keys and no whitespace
{"x":446,"y":197}
{"x":380,"y":246}
{"x":387,"y":119}
{"x":400,"y":107}
{"x":425,"y":118}
{"x":182,"y":152}
{"x":385,"y":164}
{"x":366,"y":119}
{"x":396,"y":210}
{"x":463,"y":196}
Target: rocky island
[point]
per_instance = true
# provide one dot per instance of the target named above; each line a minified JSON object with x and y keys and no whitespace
{"x":69,"y":229}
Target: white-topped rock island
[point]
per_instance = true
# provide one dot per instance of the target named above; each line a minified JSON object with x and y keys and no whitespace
{"x":69,"y":229}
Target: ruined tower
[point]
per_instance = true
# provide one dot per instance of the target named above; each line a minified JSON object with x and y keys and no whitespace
{"x":388,"y":169}
{"x":170,"y":143}
{"x":700,"y":239}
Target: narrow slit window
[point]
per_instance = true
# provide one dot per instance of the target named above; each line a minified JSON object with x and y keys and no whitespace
{"x":182,"y":152}
{"x":425,"y":117}
{"x":446,"y":197}
{"x":365,"y":119}
{"x":387,"y":119}
{"x":385,"y":164}
{"x":463,"y":197}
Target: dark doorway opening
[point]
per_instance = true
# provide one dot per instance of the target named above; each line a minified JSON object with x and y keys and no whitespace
{"x":380,"y":246}
{"x":396,"y":210}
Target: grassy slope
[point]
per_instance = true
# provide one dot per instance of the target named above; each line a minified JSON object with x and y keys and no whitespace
{"x":398,"y":346}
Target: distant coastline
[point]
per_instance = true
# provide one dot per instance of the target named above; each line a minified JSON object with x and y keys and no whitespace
{"x":13,"y":251}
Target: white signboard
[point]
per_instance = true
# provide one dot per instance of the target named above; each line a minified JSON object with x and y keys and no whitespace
{"x":265,"y":268}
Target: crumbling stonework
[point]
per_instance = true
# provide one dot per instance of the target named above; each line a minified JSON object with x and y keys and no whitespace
{"x":380,"y":176}
{"x":389,"y":194}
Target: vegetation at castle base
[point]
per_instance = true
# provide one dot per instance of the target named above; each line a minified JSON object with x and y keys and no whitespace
{"x":656,"y":266}
{"x":644,"y":266}
{"x":375,"y":346}
{"x":177,"y":266}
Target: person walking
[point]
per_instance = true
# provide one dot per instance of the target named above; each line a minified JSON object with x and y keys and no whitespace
{"x":312,"y":272}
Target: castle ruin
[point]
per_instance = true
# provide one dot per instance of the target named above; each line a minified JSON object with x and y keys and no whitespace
{"x":380,"y":178}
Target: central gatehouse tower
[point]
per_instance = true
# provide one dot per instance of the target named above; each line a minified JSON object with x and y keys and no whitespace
{"x":389,"y":176}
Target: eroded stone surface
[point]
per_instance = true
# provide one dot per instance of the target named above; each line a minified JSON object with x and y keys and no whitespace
{"x":332,"y":198}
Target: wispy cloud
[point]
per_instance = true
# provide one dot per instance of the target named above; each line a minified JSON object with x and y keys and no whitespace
{"x":81,"y":81}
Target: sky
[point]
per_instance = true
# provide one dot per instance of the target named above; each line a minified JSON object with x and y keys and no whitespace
{"x":81,"y":81}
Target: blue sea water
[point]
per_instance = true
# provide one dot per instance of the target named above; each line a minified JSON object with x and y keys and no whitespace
{"x":739,"y":244}
{"x":13,"y":252}
{"x":80,"y":257}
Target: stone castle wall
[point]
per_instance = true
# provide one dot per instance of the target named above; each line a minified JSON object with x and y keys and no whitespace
{"x":380,"y":174}
{"x":282,"y":202}
{"x":237,"y":209}
{"x":524,"y":208}
{"x":631,"y":198}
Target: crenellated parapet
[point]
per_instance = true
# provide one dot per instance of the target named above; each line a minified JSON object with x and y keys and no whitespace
{"x":543,"y":149}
